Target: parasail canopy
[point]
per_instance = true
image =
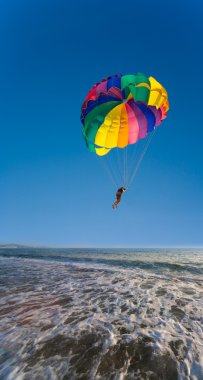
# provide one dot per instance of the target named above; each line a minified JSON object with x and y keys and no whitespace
{"x":122,"y":109}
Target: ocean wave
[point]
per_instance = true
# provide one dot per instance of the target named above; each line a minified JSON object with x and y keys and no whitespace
{"x":72,"y":320}
{"x":188,"y":261}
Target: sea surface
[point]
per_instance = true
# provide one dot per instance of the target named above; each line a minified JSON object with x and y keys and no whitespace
{"x":109,"y":314}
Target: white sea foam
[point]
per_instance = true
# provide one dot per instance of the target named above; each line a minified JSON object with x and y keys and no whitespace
{"x":62,"y":319}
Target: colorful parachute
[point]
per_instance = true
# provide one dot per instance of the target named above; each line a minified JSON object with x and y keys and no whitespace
{"x":122,"y":109}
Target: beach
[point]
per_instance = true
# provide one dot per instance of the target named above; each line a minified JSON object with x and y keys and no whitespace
{"x":101,"y":314}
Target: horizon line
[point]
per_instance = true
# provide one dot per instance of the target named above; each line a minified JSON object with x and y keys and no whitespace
{"x":21,"y":245}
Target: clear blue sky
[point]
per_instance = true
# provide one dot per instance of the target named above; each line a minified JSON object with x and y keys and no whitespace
{"x":52,"y":189}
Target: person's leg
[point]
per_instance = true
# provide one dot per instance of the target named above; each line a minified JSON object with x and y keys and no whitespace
{"x":118,"y":198}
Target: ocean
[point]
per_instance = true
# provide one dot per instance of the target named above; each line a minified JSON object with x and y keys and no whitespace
{"x":109,"y":314}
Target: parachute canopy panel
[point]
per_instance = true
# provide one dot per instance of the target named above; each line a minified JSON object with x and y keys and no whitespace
{"x":122,"y":109}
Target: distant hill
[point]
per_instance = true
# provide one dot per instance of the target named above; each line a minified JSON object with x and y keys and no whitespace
{"x":13,"y":245}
